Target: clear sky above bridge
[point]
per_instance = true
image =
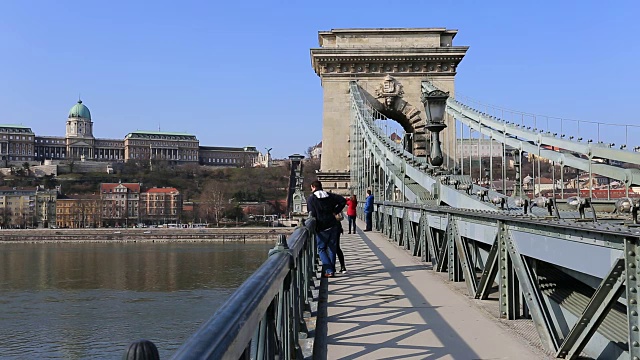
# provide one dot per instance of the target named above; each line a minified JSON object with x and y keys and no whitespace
{"x":239,"y":73}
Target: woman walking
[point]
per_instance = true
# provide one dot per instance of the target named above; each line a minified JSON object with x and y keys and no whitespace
{"x":352,"y":202}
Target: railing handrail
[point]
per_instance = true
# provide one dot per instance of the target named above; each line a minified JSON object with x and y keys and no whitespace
{"x":614,"y":232}
{"x":228,"y":332}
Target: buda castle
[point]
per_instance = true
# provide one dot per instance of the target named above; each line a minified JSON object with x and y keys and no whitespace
{"x":19,"y":144}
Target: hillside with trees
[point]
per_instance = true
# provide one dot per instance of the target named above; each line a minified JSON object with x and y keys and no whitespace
{"x":215,"y":192}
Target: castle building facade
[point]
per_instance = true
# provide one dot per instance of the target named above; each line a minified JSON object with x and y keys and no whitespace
{"x":19,"y":144}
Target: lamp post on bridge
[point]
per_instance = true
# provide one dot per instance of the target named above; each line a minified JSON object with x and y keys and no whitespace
{"x":435,"y":103}
{"x":517,"y":164}
{"x":487,"y":174}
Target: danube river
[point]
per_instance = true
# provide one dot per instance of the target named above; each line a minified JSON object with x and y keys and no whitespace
{"x":90,"y":300}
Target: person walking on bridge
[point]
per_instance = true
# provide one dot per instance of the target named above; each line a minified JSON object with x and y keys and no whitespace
{"x":352,"y":203}
{"x":324,"y":207}
{"x":368,"y":211}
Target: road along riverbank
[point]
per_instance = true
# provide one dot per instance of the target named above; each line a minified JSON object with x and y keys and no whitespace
{"x":236,"y":234}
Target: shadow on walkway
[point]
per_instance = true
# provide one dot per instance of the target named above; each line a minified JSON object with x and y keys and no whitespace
{"x":388,"y":307}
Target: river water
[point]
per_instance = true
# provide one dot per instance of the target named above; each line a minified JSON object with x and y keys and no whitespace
{"x":90,"y":300}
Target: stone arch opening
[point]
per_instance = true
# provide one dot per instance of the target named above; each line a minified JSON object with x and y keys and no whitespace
{"x":389,"y":102}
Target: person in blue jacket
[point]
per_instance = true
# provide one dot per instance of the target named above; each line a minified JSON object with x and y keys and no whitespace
{"x":368,"y":211}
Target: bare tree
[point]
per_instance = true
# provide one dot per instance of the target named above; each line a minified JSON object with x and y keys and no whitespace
{"x":5,"y":217}
{"x":309,"y":151}
{"x":214,"y":200}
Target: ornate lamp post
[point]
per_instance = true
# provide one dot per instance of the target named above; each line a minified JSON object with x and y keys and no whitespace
{"x":435,"y":103}
{"x":517,"y":186}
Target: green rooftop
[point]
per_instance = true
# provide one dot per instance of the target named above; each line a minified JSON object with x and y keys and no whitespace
{"x":14,"y":126}
{"x":164,"y":133}
{"x":79,"y":110}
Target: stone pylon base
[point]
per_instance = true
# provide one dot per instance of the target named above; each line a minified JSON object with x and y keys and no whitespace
{"x":336,"y":182}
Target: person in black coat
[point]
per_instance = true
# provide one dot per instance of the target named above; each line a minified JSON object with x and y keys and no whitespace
{"x":324,"y":207}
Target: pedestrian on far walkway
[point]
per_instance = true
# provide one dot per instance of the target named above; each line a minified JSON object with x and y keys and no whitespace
{"x":352,"y":202}
{"x":368,"y":211}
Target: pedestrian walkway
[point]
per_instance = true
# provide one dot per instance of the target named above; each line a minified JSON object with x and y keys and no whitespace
{"x":389,"y":305}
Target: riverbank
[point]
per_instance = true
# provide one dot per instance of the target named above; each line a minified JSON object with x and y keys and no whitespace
{"x":145,"y":234}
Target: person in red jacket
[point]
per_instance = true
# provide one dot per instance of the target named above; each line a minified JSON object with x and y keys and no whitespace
{"x":352,"y":202}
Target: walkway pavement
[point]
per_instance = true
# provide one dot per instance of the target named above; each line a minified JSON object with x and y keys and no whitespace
{"x":389,"y":305}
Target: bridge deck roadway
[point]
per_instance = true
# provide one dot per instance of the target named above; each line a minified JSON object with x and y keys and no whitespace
{"x":390,"y":306}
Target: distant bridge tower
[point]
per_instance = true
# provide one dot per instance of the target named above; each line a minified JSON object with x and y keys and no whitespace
{"x":389,"y":64}
{"x":296,"y":203}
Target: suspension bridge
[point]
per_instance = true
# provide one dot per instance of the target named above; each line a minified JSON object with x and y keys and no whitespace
{"x":557,"y":260}
{"x":564,"y":257}
{"x":556,"y":265}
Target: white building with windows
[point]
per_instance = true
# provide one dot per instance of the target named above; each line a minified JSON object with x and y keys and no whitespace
{"x":479,"y":148}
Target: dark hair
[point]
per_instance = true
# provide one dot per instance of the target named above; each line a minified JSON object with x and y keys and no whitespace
{"x":317,"y":185}
{"x":369,"y":192}
{"x":353,"y":197}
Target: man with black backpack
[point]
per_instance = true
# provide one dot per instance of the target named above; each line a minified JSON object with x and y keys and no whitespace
{"x":324,"y":207}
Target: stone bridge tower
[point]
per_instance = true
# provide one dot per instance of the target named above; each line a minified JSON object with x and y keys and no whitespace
{"x":381,"y":60}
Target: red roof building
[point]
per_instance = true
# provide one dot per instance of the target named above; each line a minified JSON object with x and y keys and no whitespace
{"x":160,"y":205}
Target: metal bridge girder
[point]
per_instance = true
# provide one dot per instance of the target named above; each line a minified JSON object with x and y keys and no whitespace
{"x":453,"y":266}
{"x":443,"y":251}
{"x":407,"y":232}
{"x":431,"y":247}
{"x":397,"y":229}
{"x":632,"y":266}
{"x":525,"y":277}
{"x":507,"y":296}
{"x":464,"y":258}
{"x":489,"y":272}
{"x":421,"y":241}
{"x":599,"y":305}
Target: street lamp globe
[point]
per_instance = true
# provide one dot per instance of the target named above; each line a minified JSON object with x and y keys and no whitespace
{"x":435,"y":103}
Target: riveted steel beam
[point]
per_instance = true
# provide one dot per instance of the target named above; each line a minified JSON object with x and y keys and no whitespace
{"x":504,"y":271}
{"x":453,"y":266}
{"x":464,"y":258}
{"x":632,"y":264}
{"x":539,"y":312}
{"x":443,"y":252}
{"x":432,"y":246}
{"x":488,"y":273}
{"x":421,"y":241}
{"x":599,"y":305}
{"x":415,"y":240}
{"x":406,"y":231}
{"x":384,"y":228}
{"x":397,"y":229}
{"x":509,"y":289}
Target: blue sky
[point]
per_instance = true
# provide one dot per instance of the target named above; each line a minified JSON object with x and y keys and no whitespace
{"x":239,"y":73}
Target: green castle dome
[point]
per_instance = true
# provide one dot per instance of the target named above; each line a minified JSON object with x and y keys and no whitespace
{"x":79,"y":110}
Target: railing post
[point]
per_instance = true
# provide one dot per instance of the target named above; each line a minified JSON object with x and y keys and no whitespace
{"x":285,"y":300}
{"x":141,"y":350}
